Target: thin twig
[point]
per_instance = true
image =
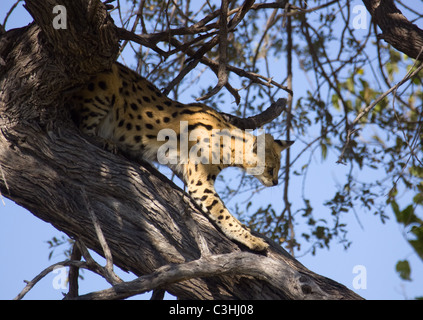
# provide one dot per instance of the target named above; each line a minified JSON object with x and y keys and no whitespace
{"x":412,"y":153}
{"x":128,"y":35}
{"x":46,"y":271}
{"x":74,"y":272}
{"x":111,"y":275}
{"x":91,"y":263}
{"x":222,"y":72}
{"x":287,"y":209}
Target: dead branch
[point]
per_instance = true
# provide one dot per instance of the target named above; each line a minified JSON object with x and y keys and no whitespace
{"x":396,"y":29}
{"x":131,"y":36}
{"x":46,"y":271}
{"x":220,"y":68}
{"x":258,"y":120}
{"x":73,"y":276}
{"x":238,"y":263}
{"x":222,"y":73}
{"x":110,"y":275}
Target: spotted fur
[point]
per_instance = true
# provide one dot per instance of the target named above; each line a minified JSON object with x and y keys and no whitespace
{"x":125,"y":108}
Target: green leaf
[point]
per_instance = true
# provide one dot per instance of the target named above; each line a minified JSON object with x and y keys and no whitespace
{"x":248,"y":205}
{"x":335,"y":102}
{"x":418,"y":246}
{"x":395,"y":208}
{"x":404,"y":270}
{"x":324,"y":151}
{"x":417,"y":242}
{"x":320,"y":232}
{"x":406,"y":216}
{"x":350,"y":84}
{"x":418,"y":198}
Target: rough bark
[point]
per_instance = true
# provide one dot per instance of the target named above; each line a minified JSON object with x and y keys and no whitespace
{"x":396,"y":29}
{"x":148,"y":222}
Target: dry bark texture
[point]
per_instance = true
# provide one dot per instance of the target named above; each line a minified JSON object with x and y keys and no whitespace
{"x":151,"y":227}
{"x":396,"y":29}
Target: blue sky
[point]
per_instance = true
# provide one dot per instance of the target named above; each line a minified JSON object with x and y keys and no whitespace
{"x":375,"y":246}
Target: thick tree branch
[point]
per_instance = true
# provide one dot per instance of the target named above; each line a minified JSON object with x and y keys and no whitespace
{"x":258,"y":120}
{"x":231,"y":264}
{"x":396,"y":29}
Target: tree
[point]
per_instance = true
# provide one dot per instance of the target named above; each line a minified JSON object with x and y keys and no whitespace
{"x":141,"y":221}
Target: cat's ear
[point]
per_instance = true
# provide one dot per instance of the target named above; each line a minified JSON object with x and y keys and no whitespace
{"x":283,"y":144}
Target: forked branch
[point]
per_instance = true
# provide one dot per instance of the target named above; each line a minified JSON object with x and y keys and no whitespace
{"x":204,"y":29}
{"x":236,"y":263}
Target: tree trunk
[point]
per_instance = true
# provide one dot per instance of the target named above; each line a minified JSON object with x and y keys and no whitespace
{"x":148,"y":222}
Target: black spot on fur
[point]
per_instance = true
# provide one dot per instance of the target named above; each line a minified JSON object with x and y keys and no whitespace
{"x":102,"y":85}
{"x":212,"y":204}
{"x":194,"y":126}
{"x":151,"y":87}
{"x":186,"y":111}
